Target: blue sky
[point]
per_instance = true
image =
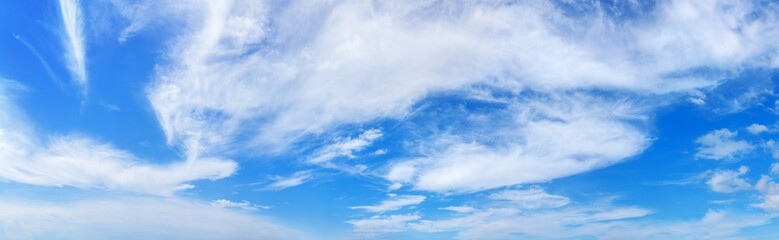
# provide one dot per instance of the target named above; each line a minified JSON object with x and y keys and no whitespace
{"x":389,"y":119}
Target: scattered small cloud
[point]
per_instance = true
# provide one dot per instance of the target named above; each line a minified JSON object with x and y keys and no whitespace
{"x":245,"y":205}
{"x":345,"y":147}
{"x":757,"y":128}
{"x":721,"y":144}
{"x":295,"y":179}
{"x":728,"y":181}
{"x":383,"y":224}
{"x":531,"y":198}
{"x":109,"y":106}
{"x":460,"y":209}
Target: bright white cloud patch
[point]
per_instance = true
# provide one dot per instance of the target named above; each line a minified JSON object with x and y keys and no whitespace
{"x":721,"y":144}
{"x":73,"y":40}
{"x":136,"y":218}
{"x":84,"y":163}
{"x":394,"y":203}
{"x":728,"y":181}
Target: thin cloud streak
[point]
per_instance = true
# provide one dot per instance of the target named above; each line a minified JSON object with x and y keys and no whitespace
{"x":74,"y":41}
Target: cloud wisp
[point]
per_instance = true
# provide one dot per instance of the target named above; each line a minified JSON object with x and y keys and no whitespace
{"x":73,"y":40}
{"x":133,"y":217}
{"x":81,"y":162}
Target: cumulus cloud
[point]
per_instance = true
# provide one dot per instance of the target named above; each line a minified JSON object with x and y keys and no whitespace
{"x":73,"y":40}
{"x":757,"y":128}
{"x":728,"y":181}
{"x":770,"y":193}
{"x":394,"y":203}
{"x":773,"y":147}
{"x":721,"y":144}
{"x":81,"y":162}
{"x":133,"y":217}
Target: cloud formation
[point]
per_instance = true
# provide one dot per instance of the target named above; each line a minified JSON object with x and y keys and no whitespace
{"x":296,"y":179}
{"x":728,"y":181}
{"x":240,"y":76}
{"x":73,"y":41}
{"x":134,"y":218}
{"x":394,"y":203}
{"x":721,"y":144}
{"x":81,"y":162}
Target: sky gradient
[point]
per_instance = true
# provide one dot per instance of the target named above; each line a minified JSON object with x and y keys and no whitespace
{"x":389,"y":119}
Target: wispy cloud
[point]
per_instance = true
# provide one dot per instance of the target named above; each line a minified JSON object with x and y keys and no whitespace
{"x":344,"y":67}
{"x":295,"y":179}
{"x":81,"y":162}
{"x":544,"y":138}
{"x":383,"y":224}
{"x":395,"y":202}
{"x":147,"y":218}
{"x":602,"y":219}
{"x":345,"y":147}
{"x":245,"y":205}
{"x":531,"y":198}
{"x":73,"y":40}
{"x":35,"y":52}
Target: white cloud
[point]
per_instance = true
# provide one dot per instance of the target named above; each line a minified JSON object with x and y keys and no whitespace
{"x":394,"y":203}
{"x":295,"y":179}
{"x":773,"y":147}
{"x":531,"y":198}
{"x":728,"y":181}
{"x":547,"y":139}
{"x":245,"y":205}
{"x":757,"y":128}
{"x":775,"y":168}
{"x":721,"y":144}
{"x":310,"y":67}
{"x":345,"y":147}
{"x":74,"y":40}
{"x":770,"y":190}
{"x":135,"y":218}
{"x":600,"y":220}
{"x":84,"y":163}
{"x":383,"y":224}
{"x":460,"y":209}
